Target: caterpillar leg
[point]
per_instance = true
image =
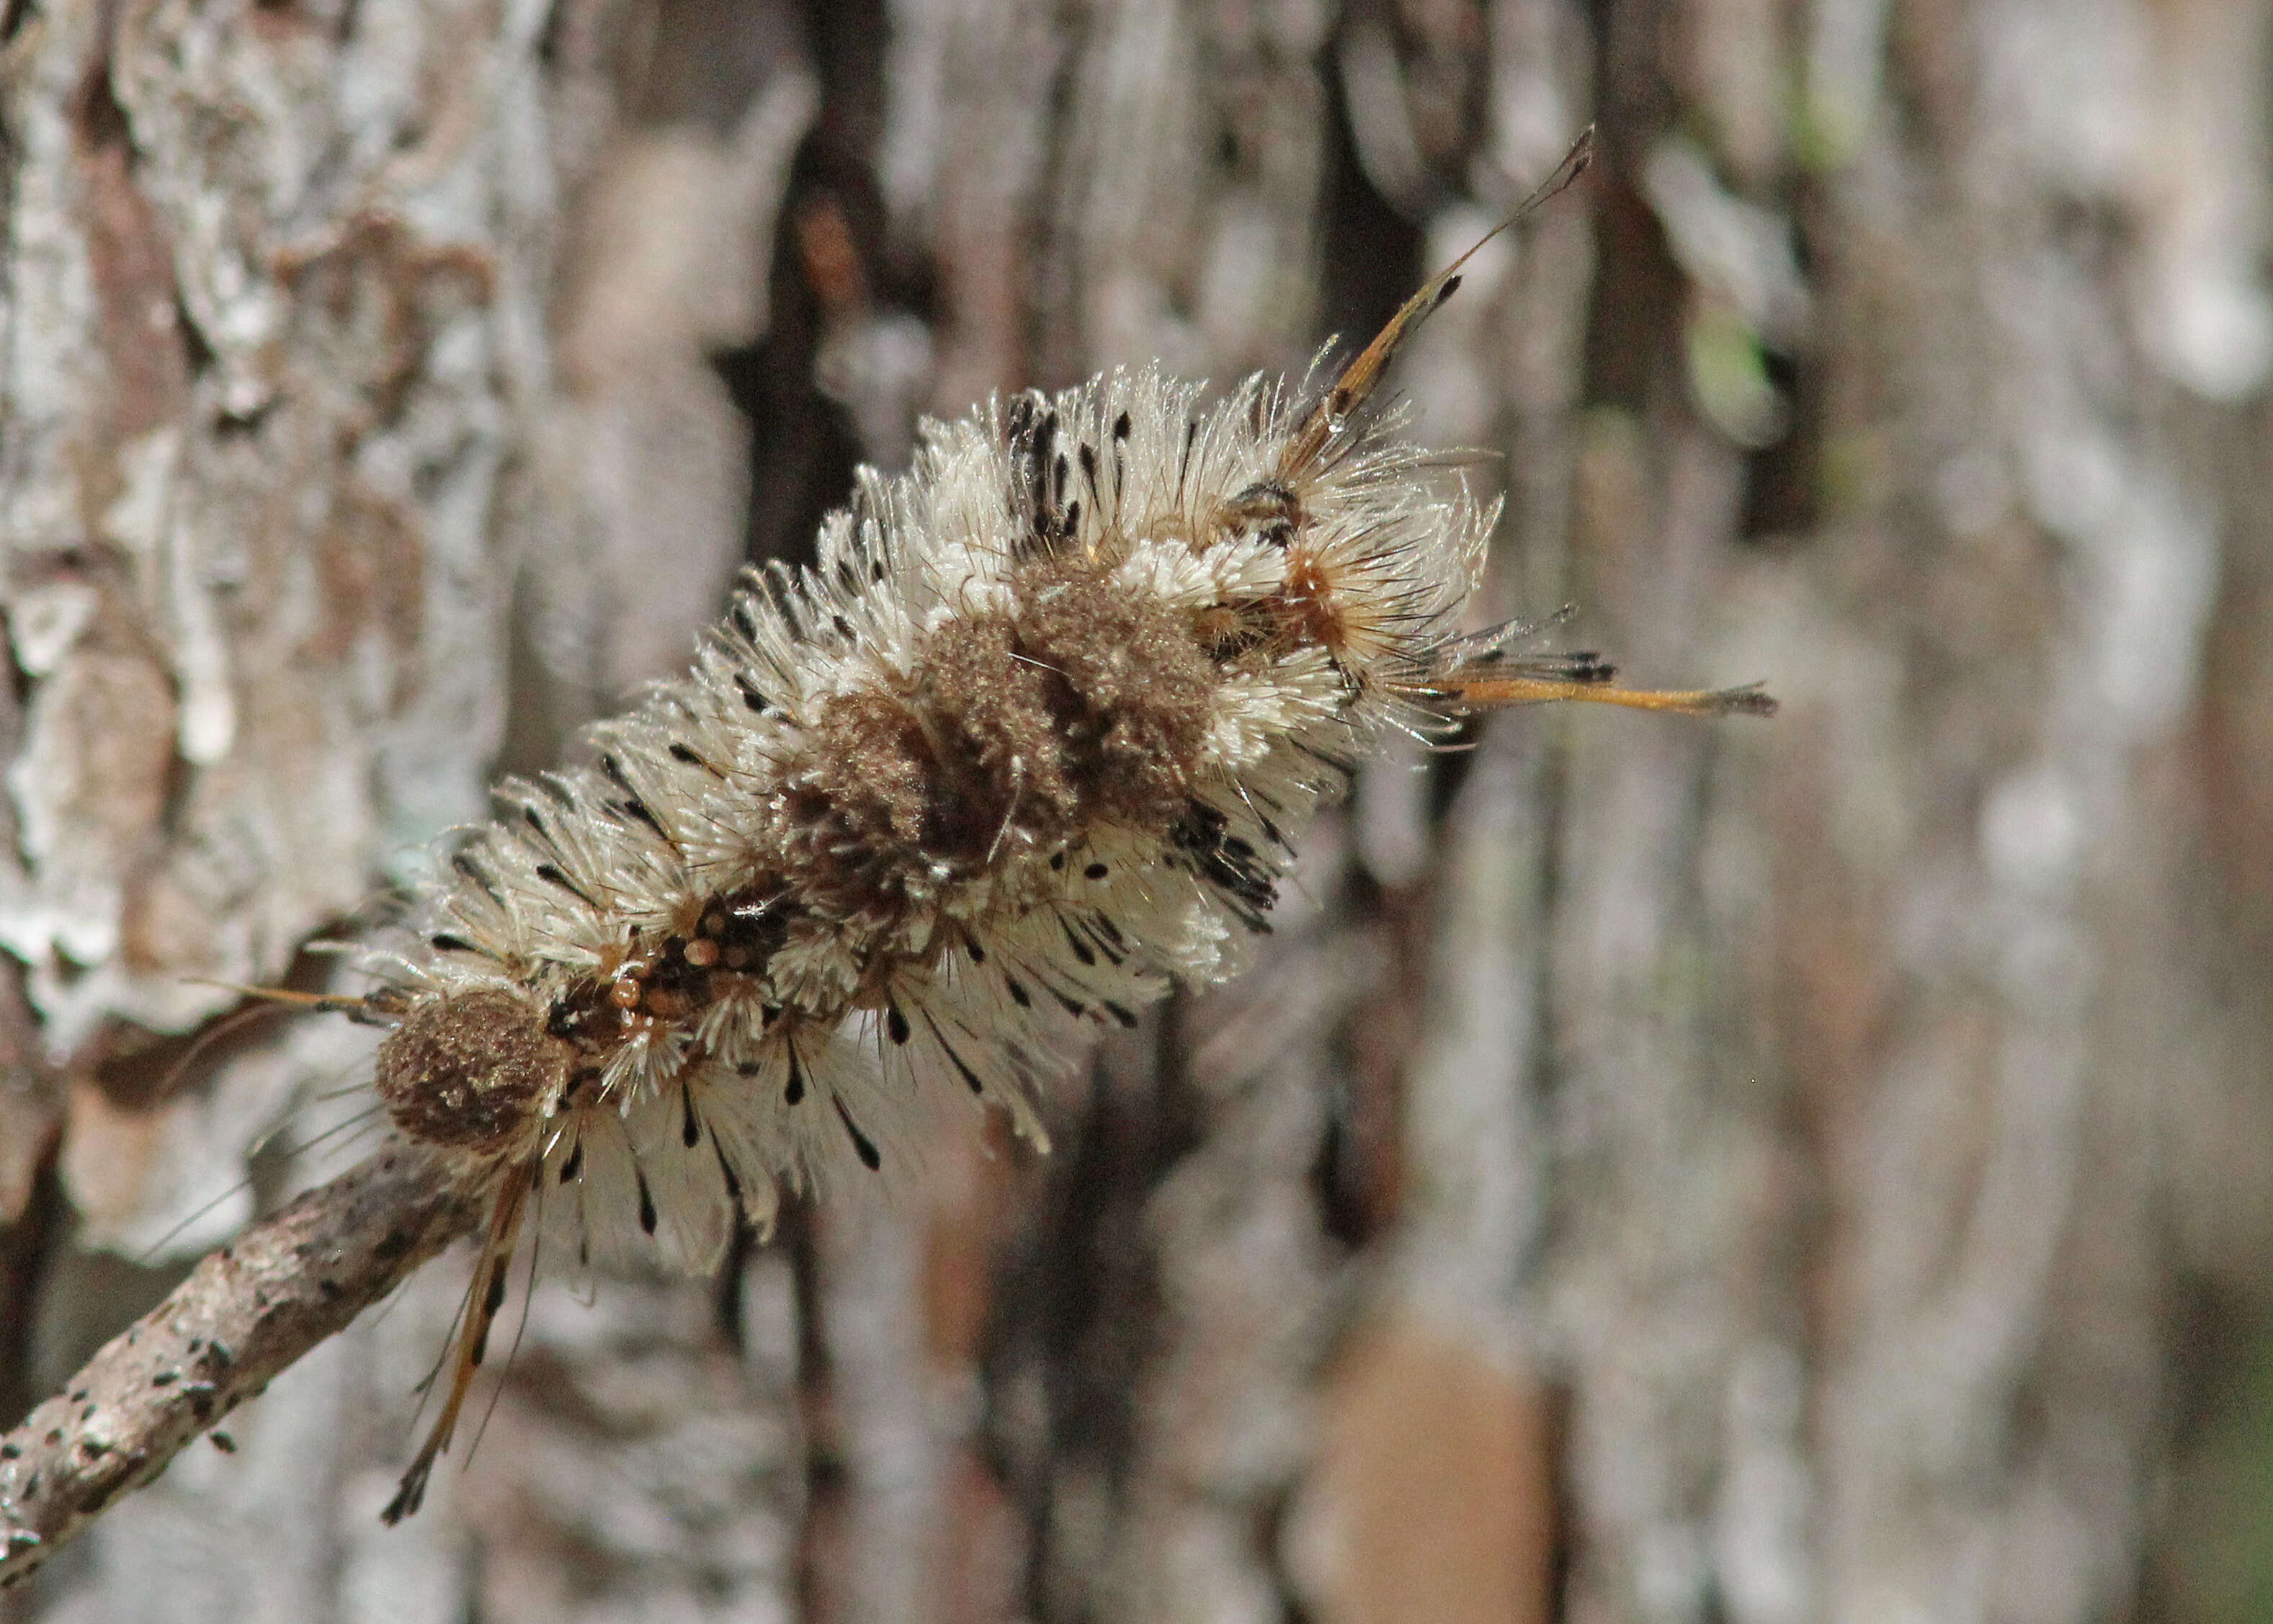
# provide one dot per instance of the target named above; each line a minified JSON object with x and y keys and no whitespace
{"x":483,"y":1300}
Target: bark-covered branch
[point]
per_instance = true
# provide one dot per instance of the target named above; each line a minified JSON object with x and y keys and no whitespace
{"x":245,"y":1312}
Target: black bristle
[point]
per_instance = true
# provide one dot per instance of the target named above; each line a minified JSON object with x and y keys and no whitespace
{"x":863,"y":1146}
{"x":971,"y":1079}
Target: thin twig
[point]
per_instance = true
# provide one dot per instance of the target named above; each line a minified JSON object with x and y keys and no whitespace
{"x":244,"y":1313}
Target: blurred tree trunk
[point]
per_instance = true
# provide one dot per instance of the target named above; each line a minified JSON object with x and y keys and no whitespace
{"x":1652,"y":1173}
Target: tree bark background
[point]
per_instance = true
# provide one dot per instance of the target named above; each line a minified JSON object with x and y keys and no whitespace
{"x":1816,"y":1170}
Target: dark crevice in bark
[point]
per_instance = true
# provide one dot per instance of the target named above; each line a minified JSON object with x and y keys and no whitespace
{"x":1376,"y":1039}
{"x":803,"y":448}
{"x":1550,"y":788}
{"x":1370,"y":252}
{"x":1341,"y":1177}
{"x":1053,"y":349}
{"x":1784,"y":481}
{"x":821,"y":1560}
{"x":1634,"y":317}
{"x":1781,"y":488}
{"x":804,"y":445}
{"x":101,"y":121}
{"x":1563,"y":1542}
{"x":28,"y":1248}
{"x":1078,"y":1315}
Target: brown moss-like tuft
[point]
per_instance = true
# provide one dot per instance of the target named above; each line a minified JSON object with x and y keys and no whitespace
{"x":871,"y":764}
{"x":1088,"y":701}
{"x":471,"y":1071}
{"x":931,"y":773}
{"x":1135,"y":696}
{"x":997,"y":711}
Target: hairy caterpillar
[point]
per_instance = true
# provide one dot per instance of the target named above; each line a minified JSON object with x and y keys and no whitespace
{"x":1030,"y":739}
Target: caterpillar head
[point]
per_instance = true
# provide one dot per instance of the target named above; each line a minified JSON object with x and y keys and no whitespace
{"x":473,"y":1073}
